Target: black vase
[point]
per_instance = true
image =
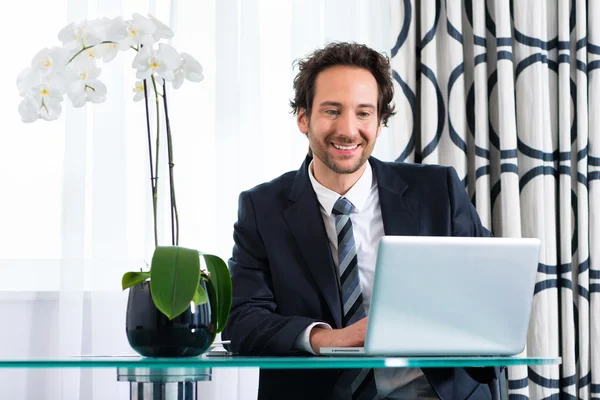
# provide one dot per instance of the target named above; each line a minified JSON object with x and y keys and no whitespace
{"x":150,"y":333}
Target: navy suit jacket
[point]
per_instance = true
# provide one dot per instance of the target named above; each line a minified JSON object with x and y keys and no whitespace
{"x":284,"y":277}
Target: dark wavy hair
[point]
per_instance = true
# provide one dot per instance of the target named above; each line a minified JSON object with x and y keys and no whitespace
{"x":349,"y":54}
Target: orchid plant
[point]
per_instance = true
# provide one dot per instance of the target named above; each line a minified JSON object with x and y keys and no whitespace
{"x":73,"y":70}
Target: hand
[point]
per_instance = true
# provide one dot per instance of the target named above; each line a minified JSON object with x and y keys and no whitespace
{"x":350,"y":336}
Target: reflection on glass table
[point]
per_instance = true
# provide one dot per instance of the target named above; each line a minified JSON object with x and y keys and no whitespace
{"x":176,"y":378}
{"x":217,"y":360}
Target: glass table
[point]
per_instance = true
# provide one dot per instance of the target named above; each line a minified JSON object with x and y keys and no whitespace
{"x":176,"y":378}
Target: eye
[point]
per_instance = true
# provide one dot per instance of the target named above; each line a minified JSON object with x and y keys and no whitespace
{"x":331,"y":112}
{"x":364,"y":114}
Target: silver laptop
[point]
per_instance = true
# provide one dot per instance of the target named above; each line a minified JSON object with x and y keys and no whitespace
{"x":449,"y":296}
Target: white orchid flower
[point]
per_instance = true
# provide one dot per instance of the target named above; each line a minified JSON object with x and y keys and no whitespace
{"x":50,"y":61}
{"x":31,"y":78}
{"x":93,"y":53}
{"x":50,"y":112}
{"x":51,"y":89}
{"x":139,"y":32}
{"x":42,"y":100}
{"x":139,"y":88}
{"x":163,"y":62}
{"x":104,"y":51}
{"x":107,"y":51}
{"x":31,"y":110}
{"x":84,"y":85}
{"x":28,"y":78}
{"x":162,"y":30}
{"x":80,"y":35}
{"x":115,"y":31}
{"x":189,"y":69}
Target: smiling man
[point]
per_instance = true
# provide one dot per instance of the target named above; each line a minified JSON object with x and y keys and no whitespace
{"x":305,"y":243}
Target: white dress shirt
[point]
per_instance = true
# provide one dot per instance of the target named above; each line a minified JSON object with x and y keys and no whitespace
{"x":367,"y":226}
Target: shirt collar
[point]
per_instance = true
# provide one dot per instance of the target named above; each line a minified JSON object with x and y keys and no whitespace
{"x":357,"y":195}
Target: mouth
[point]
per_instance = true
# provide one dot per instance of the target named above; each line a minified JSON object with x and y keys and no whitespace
{"x":345,"y":148}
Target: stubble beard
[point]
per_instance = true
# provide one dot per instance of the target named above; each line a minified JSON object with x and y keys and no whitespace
{"x":322,"y":154}
{"x":337,"y":168}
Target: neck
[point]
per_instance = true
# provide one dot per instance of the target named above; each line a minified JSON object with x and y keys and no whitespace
{"x":339,"y":183}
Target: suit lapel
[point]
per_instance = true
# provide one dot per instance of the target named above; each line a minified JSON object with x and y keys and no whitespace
{"x":400,"y":213}
{"x":304,"y":219}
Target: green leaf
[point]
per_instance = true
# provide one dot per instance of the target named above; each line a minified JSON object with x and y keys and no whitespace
{"x":133,"y":278}
{"x":200,"y":297}
{"x":220,"y":278}
{"x":174,"y":277}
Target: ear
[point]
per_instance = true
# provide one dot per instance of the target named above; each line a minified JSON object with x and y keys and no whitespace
{"x":302,"y":120}
{"x":379,"y":128}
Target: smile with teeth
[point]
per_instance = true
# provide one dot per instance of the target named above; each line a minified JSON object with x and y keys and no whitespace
{"x":341,"y":147}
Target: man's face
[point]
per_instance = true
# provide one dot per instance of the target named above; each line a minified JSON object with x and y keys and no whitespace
{"x":343,"y":125}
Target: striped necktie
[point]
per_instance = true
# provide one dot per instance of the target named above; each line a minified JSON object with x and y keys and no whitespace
{"x":362,"y":382}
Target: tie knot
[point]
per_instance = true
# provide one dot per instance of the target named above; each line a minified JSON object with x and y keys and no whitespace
{"x":342,"y":207}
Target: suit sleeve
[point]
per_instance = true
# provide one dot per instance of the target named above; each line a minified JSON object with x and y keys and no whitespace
{"x":254,"y":325}
{"x":466,"y":222}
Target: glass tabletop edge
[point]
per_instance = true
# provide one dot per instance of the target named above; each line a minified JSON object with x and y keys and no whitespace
{"x":278,"y":362}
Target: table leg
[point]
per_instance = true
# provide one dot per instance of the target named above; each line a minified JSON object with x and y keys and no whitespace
{"x":163,"y":383}
{"x":163,"y":391}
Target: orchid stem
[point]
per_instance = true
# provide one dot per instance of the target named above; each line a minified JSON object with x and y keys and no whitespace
{"x":153,"y":180}
{"x":174,"y":214}
{"x":85,"y":48}
{"x":157,"y":145}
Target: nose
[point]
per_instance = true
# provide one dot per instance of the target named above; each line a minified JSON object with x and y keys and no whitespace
{"x":347,"y":125}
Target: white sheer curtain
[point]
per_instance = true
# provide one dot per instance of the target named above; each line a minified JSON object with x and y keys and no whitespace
{"x":75,"y":210}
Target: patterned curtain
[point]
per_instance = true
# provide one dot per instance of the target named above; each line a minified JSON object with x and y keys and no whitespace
{"x":509,"y":94}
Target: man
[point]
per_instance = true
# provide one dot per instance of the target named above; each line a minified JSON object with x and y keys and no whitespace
{"x":305,"y":243}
